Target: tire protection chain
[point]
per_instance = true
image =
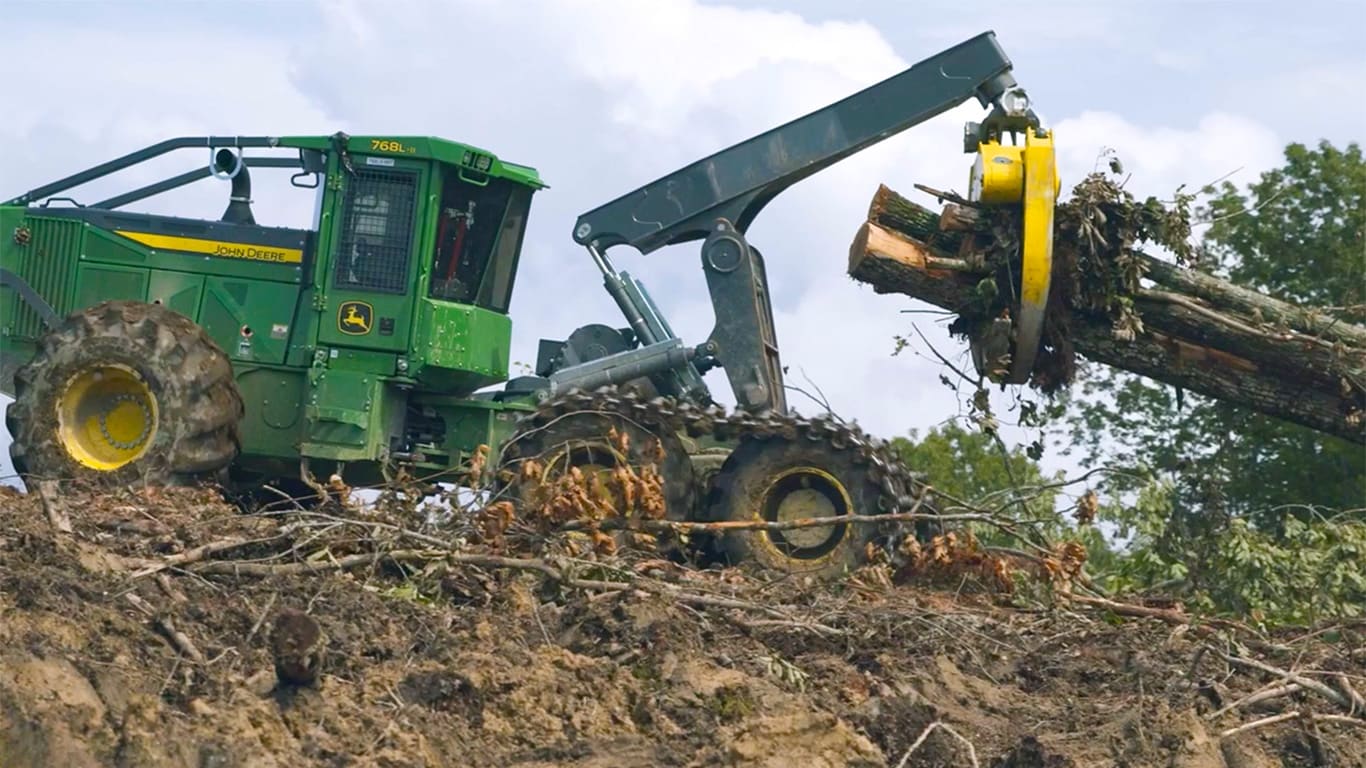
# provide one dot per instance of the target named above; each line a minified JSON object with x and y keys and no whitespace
{"x":900,"y":487}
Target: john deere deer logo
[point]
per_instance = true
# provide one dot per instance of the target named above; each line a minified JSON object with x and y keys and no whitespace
{"x":353,"y":318}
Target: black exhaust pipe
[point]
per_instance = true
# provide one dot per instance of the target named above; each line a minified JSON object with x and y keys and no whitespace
{"x":239,"y":202}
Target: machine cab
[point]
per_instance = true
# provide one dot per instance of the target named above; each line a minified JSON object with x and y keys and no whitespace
{"x":421,"y":257}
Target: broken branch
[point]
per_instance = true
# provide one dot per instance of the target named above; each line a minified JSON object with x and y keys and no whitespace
{"x":57,"y":516}
{"x":925,"y":734}
{"x":178,"y":639}
{"x":1337,"y":697}
{"x":194,"y":555}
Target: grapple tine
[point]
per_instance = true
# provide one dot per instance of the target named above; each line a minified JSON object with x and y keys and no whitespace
{"x":1036,"y":251}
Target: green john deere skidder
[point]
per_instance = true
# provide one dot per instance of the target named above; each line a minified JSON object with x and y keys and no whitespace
{"x":151,"y":348}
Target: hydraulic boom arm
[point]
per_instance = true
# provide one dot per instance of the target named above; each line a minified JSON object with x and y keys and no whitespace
{"x":736,"y":183}
{"x":718,"y":197}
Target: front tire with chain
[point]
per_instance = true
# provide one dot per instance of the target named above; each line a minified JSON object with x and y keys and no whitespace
{"x":871,"y":473}
{"x":580,"y":439}
{"x":775,"y":480}
{"x":125,"y":393}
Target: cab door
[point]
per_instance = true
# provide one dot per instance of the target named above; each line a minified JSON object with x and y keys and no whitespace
{"x":368,"y":289}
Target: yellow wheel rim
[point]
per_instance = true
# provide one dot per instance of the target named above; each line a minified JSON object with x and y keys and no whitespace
{"x":106,"y":417}
{"x":803,"y":493}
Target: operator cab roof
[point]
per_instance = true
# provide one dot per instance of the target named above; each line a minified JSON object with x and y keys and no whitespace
{"x":427,"y":148}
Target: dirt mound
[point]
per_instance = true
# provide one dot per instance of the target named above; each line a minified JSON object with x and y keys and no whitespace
{"x":163,"y":629}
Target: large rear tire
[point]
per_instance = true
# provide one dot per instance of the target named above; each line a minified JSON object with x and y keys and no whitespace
{"x":8,"y":365}
{"x":124,"y":393}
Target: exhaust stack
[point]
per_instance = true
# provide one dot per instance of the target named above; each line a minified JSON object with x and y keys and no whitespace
{"x":227,"y":162}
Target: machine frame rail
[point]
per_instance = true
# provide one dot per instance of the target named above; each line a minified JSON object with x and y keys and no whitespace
{"x":211,"y":143}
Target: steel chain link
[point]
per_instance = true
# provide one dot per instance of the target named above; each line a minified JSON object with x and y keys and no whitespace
{"x":126,"y":445}
{"x":900,"y":486}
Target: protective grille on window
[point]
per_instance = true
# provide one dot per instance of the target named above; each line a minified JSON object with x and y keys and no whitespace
{"x":377,"y":231}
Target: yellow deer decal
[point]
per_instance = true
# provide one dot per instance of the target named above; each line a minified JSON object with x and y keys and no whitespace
{"x":353,"y":317}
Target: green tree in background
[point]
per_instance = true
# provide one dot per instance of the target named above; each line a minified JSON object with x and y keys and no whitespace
{"x":1238,"y":512}
{"x":970,"y":465}
{"x":1299,"y":233}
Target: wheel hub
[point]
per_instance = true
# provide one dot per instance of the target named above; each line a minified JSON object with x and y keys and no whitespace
{"x":106,"y":417}
{"x":803,"y":493}
{"x":595,"y":460}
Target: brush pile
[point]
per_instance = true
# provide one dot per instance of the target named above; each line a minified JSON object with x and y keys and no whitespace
{"x":162,"y":627}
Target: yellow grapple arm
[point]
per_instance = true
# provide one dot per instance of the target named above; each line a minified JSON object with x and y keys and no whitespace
{"x":1025,"y":175}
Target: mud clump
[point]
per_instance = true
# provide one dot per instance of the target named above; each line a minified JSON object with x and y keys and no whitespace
{"x":171,"y":630}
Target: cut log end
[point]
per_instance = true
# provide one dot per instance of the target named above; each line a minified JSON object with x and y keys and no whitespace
{"x":958,"y":218}
{"x":879,"y":202}
{"x":858,"y":249}
{"x":874,"y":241}
{"x":878,"y":242}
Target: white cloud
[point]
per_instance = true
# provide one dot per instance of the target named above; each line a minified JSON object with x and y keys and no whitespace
{"x":1178,"y":61}
{"x":1035,"y":27}
{"x":1160,"y":158}
{"x":677,"y":57}
{"x":86,"y":104}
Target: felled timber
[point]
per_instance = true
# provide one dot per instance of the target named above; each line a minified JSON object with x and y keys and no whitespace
{"x":1197,"y":332}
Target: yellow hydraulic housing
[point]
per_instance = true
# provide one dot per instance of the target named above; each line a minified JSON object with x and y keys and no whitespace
{"x":1024,"y":175}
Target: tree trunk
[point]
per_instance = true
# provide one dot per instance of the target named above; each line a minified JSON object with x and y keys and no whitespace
{"x":1199,"y":333}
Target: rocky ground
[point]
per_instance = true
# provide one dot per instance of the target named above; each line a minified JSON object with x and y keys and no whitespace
{"x":168,"y":629}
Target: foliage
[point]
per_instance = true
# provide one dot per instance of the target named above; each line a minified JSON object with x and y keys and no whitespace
{"x":1173,"y":536}
{"x":1098,"y":229}
{"x":1217,"y":562}
{"x":558,"y":491}
{"x":974,"y":467}
{"x":1229,"y":510}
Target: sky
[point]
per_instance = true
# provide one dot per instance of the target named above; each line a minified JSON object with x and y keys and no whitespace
{"x":602,"y":96}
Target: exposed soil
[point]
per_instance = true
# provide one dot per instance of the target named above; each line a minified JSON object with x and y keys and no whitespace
{"x":440,"y":663}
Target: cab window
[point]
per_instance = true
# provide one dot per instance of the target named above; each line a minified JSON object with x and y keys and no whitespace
{"x":478,"y":236}
{"x":497,"y":287}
